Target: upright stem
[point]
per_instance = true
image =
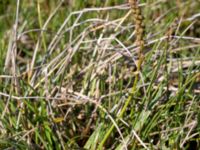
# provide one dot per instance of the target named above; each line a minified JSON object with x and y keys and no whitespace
{"x":139,"y":28}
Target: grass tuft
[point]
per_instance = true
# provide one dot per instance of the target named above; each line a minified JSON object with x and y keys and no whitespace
{"x":99,"y":75}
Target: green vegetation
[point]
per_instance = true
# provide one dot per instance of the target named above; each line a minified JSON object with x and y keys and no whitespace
{"x":69,"y":76}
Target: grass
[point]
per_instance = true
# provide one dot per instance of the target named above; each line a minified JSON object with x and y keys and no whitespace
{"x":69,"y":76}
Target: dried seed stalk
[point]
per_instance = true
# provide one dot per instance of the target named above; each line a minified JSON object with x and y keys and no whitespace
{"x":139,"y":28}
